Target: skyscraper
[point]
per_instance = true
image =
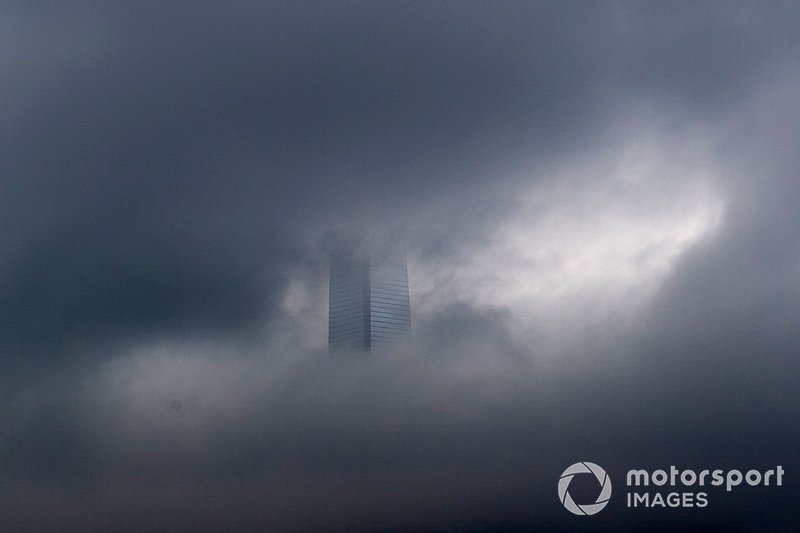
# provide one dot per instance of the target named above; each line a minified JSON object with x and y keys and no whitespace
{"x":369,"y":304}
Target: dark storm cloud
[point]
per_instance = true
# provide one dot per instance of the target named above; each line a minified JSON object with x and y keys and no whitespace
{"x":173,"y":173}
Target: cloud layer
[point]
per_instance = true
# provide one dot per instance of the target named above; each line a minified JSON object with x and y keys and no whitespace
{"x":599,"y":206}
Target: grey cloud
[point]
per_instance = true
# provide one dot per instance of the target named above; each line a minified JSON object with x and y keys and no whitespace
{"x":173,"y":175}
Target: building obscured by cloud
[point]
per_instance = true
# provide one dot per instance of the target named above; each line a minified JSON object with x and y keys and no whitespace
{"x":369,"y":304}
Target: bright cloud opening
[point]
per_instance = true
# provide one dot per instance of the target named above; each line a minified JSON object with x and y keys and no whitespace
{"x":592,"y":244}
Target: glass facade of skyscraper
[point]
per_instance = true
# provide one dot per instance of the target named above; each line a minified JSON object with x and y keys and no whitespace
{"x":369,"y":303}
{"x":389,"y":306}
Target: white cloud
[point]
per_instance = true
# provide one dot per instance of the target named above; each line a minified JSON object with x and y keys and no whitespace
{"x":591,"y":245}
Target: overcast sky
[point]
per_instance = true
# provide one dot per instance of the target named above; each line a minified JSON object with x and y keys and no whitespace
{"x":599,"y":201}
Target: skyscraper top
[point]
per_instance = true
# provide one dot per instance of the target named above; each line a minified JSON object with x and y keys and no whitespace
{"x":369,"y":298}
